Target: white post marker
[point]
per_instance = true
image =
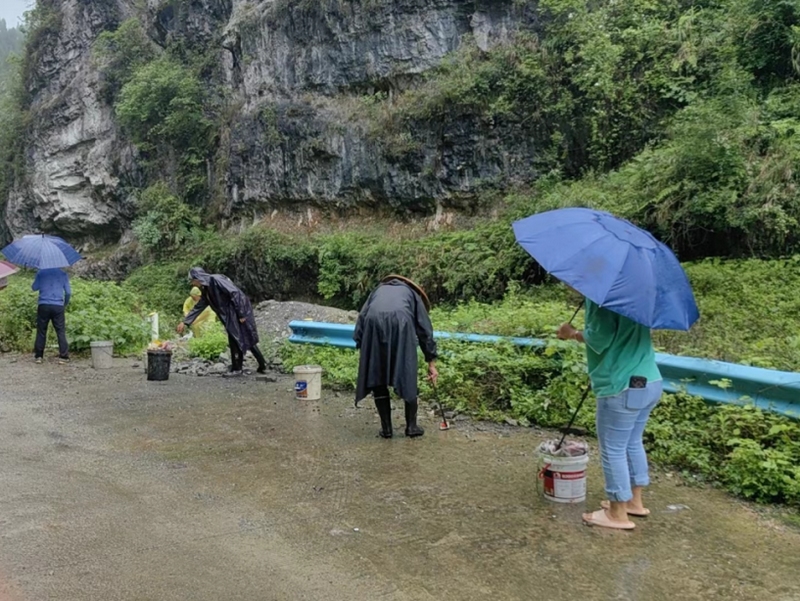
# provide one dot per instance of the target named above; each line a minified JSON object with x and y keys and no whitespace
{"x":153,"y":319}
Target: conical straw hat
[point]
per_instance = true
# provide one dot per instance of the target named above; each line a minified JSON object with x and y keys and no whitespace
{"x":414,"y":286}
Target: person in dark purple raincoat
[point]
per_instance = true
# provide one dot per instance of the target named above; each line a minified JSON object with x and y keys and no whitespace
{"x":390,"y":326}
{"x":234,"y":311}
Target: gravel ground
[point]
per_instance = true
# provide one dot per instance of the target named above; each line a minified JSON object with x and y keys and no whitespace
{"x":273,"y":317}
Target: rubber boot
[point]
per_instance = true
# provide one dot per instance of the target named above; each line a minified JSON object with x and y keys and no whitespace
{"x":412,"y":429}
{"x":384,"y":407}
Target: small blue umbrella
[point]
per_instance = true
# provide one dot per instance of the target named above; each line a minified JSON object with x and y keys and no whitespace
{"x":612,"y":262}
{"x":39,"y":251}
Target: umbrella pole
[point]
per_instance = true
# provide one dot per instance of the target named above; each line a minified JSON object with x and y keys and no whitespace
{"x":583,"y":398}
{"x":574,"y":315}
{"x":572,"y":419}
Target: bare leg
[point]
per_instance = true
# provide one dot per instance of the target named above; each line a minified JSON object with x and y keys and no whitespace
{"x":636,"y":505}
{"x":618,"y":511}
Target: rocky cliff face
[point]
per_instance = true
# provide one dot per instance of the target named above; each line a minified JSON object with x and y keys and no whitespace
{"x":292,"y":70}
{"x":75,"y":157}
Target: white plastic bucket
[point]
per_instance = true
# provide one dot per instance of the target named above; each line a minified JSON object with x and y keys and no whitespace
{"x":564,"y":478}
{"x":308,"y":382}
{"x":102,"y":354}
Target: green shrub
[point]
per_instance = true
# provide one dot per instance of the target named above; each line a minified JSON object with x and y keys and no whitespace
{"x":211,"y":344}
{"x":106,"y":311}
{"x":162,"y":288}
{"x":97,"y":311}
{"x":451,"y":266}
{"x":162,"y":104}
{"x":119,"y":53}
{"x":165,"y":222}
{"x":749,"y":313}
{"x":264,"y":263}
{"x":13,"y":121}
{"x":752,"y":453}
{"x":18,"y":306}
{"x":161,"y":108}
{"x":340,"y":365}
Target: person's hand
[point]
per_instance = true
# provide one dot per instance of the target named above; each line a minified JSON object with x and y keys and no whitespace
{"x":566,"y":332}
{"x":242,"y":320}
{"x":433,"y":373}
{"x":181,"y":327}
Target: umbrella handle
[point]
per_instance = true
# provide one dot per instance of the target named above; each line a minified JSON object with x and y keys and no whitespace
{"x":574,"y":315}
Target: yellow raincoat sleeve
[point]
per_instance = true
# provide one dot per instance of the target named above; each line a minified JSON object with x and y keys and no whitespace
{"x":188,"y":305}
{"x":204,"y":319}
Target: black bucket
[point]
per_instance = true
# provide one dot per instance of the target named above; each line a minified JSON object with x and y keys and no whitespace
{"x":158,"y":364}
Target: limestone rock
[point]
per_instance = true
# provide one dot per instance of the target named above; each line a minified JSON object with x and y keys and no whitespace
{"x":292,"y":71}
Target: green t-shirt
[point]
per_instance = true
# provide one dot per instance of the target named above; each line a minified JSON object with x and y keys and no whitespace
{"x":616,"y":349}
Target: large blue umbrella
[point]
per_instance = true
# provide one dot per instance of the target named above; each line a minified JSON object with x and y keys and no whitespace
{"x":612,"y":262}
{"x":39,"y":251}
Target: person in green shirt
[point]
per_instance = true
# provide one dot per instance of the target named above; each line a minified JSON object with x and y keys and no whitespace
{"x":628,"y":385}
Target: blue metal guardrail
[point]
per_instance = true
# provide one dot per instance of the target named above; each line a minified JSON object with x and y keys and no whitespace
{"x":768,"y":389}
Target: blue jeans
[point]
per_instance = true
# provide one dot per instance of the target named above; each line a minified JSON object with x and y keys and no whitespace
{"x":620,"y":425}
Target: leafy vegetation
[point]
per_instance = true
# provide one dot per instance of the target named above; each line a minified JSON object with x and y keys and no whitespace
{"x":342,"y":268}
{"x":750,"y":313}
{"x":98,"y":311}
{"x":678,"y":115}
{"x":161,"y":108}
{"x":165,"y":222}
{"x":162,"y":102}
{"x":105,"y":311}
{"x":211,"y":344}
{"x":120,"y":53}
{"x":162,"y":287}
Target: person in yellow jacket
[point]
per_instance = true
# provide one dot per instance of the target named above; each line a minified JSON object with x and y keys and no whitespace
{"x":203,"y":320}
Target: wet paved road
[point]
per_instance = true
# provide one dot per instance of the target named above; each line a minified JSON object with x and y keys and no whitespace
{"x":207,"y":489}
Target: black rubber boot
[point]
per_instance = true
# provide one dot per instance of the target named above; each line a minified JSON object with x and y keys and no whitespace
{"x":412,"y":429}
{"x":384,"y":407}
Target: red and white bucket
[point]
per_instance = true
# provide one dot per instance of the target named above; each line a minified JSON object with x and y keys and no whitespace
{"x":564,"y":478}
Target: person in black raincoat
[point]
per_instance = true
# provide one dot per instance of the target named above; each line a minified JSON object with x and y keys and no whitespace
{"x":393,"y":321}
{"x":234,"y":311}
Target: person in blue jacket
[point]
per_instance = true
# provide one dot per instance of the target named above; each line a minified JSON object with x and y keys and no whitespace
{"x":54,"y":294}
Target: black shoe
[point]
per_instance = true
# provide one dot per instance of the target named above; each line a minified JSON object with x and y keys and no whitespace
{"x":262,"y":369}
{"x":233,"y":374}
{"x":412,"y":429}
{"x":63,"y":360}
{"x":384,"y":407}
